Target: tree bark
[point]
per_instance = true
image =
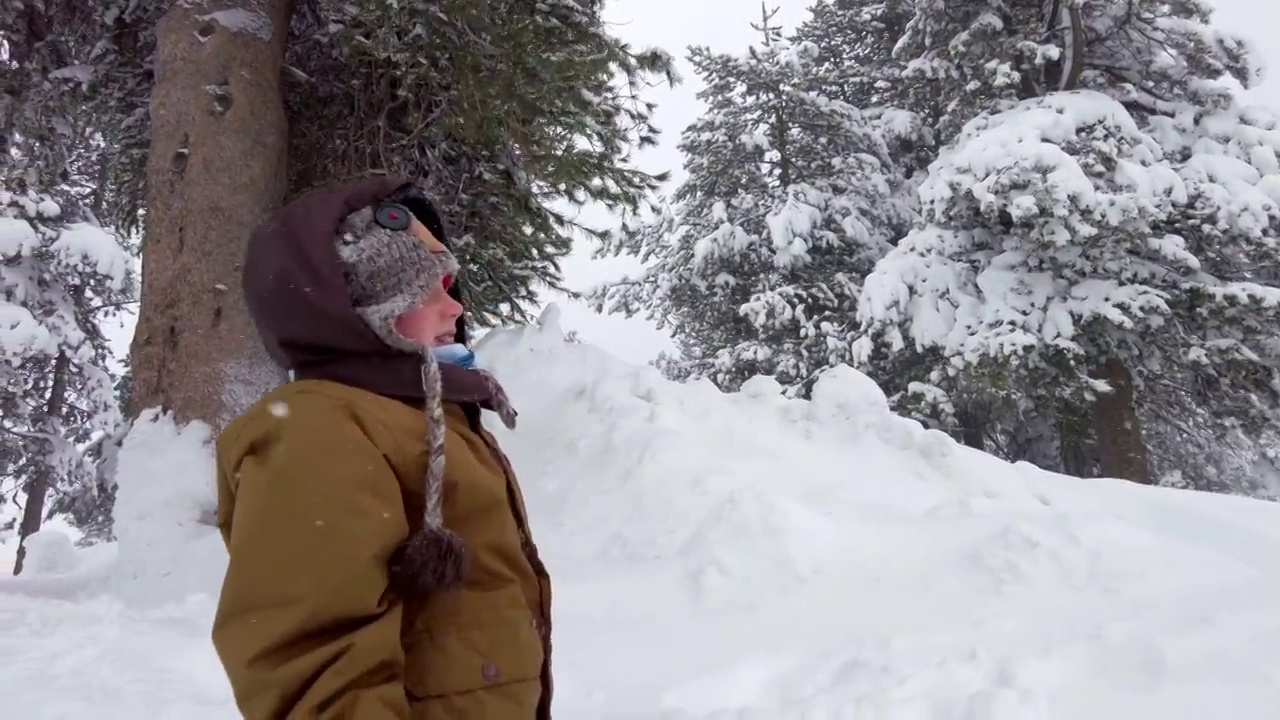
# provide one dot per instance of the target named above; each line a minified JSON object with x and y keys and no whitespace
{"x":217,"y":168}
{"x":38,"y":488}
{"x":973,"y":419}
{"x":1121,"y":449}
{"x":1074,"y":50}
{"x":1075,"y":449}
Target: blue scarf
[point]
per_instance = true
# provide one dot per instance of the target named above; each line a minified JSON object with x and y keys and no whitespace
{"x":456,"y":354}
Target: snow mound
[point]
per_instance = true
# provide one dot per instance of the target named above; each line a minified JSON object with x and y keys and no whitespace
{"x":166,"y":502}
{"x":748,"y":556}
{"x":767,"y":557}
{"x":50,"y":552}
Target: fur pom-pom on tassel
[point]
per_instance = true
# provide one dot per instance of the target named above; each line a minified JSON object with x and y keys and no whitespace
{"x":432,"y":561}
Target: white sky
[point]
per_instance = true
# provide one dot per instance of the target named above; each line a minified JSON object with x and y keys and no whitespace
{"x":726,"y":25}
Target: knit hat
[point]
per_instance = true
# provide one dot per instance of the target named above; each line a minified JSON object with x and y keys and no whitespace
{"x":391,"y":261}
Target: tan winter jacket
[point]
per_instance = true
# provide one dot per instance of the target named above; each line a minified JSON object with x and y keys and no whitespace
{"x":316,"y":485}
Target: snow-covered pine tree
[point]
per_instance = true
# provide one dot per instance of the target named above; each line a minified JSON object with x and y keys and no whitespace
{"x":980,"y":55}
{"x":1068,"y":241}
{"x":1211,"y":400}
{"x":854,"y":41}
{"x":1003,"y":277}
{"x":85,"y":65}
{"x":985,"y":55}
{"x":73,"y":133}
{"x":852,"y":60}
{"x":60,"y":279}
{"x":854,"y":56}
{"x":503,"y":109}
{"x":756,"y":265}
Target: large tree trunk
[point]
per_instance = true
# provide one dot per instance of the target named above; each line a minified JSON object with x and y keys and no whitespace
{"x":1121,"y":449}
{"x":217,"y":167}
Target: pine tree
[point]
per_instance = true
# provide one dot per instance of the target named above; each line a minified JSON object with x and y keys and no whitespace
{"x":790,"y":200}
{"x":854,"y":41}
{"x":73,"y":106}
{"x":1152,"y":55}
{"x":1213,"y":408}
{"x":59,"y":279}
{"x":502,"y":109}
{"x":853,"y":62}
{"x":70,"y":77}
{"x":1067,"y":232}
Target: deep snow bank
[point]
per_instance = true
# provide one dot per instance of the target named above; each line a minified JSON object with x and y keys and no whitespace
{"x":630,"y":467}
{"x":749,"y":556}
{"x":829,"y":558}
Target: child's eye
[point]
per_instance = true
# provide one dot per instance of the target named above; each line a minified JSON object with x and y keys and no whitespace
{"x":447,"y":281}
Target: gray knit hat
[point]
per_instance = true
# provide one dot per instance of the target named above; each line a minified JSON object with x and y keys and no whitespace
{"x":389,"y":271}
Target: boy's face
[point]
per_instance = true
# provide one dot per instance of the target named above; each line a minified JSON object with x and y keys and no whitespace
{"x":432,"y":321}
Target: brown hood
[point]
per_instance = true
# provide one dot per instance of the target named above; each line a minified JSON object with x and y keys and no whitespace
{"x":296,"y":295}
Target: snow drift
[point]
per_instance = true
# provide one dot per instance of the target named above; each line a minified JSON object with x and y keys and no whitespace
{"x":745,"y":555}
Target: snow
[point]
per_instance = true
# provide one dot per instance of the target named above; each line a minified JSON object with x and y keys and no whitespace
{"x":165,"y":500}
{"x":89,"y":247}
{"x":17,"y":237}
{"x":1065,"y":253}
{"x":50,"y":552}
{"x":80,"y":73}
{"x":37,"y":316}
{"x":252,"y":20}
{"x":737,"y":555}
{"x":23,"y":334}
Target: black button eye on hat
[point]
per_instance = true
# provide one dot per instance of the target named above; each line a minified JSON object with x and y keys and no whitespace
{"x":391,"y":212}
{"x":409,"y":196}
{"x":392,"y":216}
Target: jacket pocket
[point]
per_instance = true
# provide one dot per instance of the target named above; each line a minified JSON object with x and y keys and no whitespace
{"x":491,"y":650}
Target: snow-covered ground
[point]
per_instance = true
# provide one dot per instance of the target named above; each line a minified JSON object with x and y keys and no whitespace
{"x":737,"y":556}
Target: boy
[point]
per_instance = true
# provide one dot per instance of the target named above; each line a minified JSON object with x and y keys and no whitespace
{"x":380,"y":558}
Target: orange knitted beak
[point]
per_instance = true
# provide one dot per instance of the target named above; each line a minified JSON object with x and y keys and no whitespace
{"x":433,"y":245}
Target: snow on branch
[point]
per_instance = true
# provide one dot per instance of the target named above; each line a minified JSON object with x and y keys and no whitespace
{"x":1063,"y":213}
